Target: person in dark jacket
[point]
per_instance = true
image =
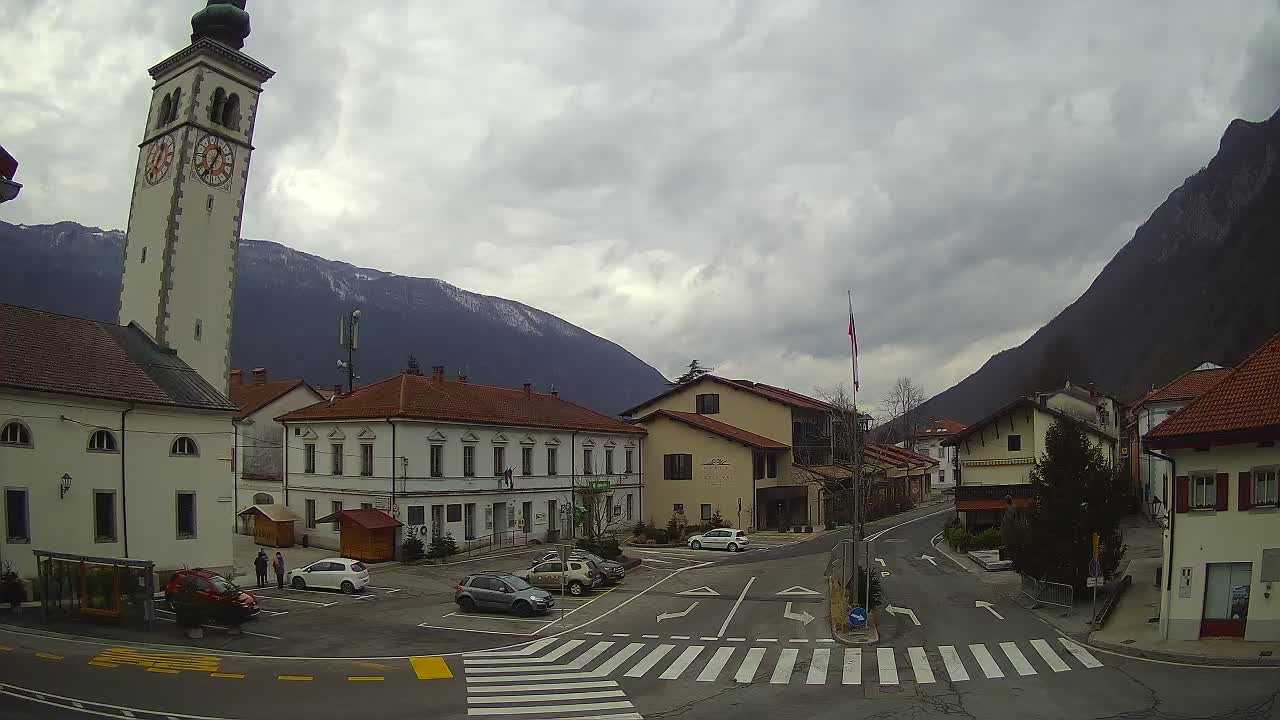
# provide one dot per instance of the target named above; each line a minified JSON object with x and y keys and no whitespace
{"x":278,"y":566}
{"x":260,"y":564}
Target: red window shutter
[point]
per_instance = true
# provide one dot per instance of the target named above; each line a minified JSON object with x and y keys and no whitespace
{"x":1246,"y":480}
{"x":1182,"y":501}
{"x":1222,"y":484}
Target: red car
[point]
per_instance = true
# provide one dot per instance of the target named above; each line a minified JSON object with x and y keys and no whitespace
{"x":220,"y":598}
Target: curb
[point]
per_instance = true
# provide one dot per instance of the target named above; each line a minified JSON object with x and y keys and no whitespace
{"x":1182,"y":659}
{"x":629,"y":562}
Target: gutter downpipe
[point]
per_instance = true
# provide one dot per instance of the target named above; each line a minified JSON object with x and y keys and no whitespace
{"x":284,"y":466}
{"x":124,"y":494}
{"x":393,"y":467}
{"x":573,"y":484}
{"x":235,"y":475}
{"x":1168,"y":570}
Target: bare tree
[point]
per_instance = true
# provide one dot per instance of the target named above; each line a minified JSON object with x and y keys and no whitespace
{"x":844,"y":432}
{"x":600,"y":516}
{"x":901,"y":405}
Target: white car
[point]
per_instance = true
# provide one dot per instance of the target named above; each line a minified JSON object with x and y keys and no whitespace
{"x":334,"y":573}
{"x":726,"y":538}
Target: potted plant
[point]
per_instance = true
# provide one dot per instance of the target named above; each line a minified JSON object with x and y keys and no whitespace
{"x":11,"y":589}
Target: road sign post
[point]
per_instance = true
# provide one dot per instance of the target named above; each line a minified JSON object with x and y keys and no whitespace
{"x":1095,"y":578}
{"x":564,"y":552}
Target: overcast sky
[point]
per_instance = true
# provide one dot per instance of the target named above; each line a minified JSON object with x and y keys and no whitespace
{"x":688,"y":179}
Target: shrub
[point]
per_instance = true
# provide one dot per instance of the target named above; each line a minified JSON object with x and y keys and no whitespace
{"x":659,"y":536}
{"x":411,"y":548}
{"x":675,"y":528}
{"x":641,"y":529}
{"x":12,"y":591}
{"x":442,"y":546}
{"x":988,"y":539}
{"x":717,"y":521}
{"x":877,"y":592}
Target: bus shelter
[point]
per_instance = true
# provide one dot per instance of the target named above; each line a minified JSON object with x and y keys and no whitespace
{"x":85,"y":585}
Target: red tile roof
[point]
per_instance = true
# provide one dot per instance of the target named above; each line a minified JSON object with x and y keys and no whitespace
{"x":900,"y":457}
{"x":367,"y":518}
{"x":424,"y":398}
{"x":250,"y":398}
{"x":724,"y":430}
{"x":942,"y":428}
{"x":769,"y":392}
{"x":1244,"y":406}
{"x":48,"y":352}
{"x":1188,"y":386}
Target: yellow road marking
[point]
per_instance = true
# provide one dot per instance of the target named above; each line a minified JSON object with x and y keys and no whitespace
{"x":166,"y":671}
{"x":430,"y":668}
{"x":102,"y":664}
{"x":231,"y":676}
{"x":361,"y":678}
{"x":168,"y":661}
{"x":47,"y":656}
{"x":5,"y":647}
{"x":294,"y":677}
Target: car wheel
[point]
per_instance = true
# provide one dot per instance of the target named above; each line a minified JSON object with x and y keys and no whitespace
{"x":732,"y":547}
{"x":522,"y":608}
{"x":577,"y":589}
{"x":299,"y":584}
{"x":695,"y":545}
{"x":347,"y":587}
{"x":466,"y":604}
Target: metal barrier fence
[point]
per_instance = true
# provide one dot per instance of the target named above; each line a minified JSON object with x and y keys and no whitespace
{"x":1043,"y":592}
{"x":495,"y":541}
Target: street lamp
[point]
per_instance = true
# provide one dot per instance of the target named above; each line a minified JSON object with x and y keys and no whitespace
{"x":66,"y":486}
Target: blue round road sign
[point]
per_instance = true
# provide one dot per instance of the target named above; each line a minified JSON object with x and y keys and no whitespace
{"x":857,"y":617}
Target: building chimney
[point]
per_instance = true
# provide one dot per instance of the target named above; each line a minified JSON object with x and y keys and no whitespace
{"x":259,"y":376}
{"x":528,"y":389}
{"x":337,"y":389}
{"x":462,"y":377}
{"x":437,"y":372}
{"x":555,"y":393}
{"x":237,"y":377}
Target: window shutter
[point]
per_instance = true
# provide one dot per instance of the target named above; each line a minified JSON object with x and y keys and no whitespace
{"x":666,"y":467}
{"x":1222,"y":483}
{"x":1182,"y":501}
{"x":1246,"y":481}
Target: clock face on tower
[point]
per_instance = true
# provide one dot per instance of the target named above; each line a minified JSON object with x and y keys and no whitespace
{"x":159,"y":160}
{"x":213,"y":160}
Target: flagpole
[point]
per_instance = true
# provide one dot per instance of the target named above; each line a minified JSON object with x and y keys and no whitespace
{"x":857,"y":461}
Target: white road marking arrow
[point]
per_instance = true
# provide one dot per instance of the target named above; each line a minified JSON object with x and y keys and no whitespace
{"x":987,"y":605}
{"x":798,"y":590}
{"x":802,"y":616}
{"x":881,"y":561}
{"x":902,"y":611}
{"x":930,"y":559}
{"x":703,"y":591}
{"x":668,"y":616}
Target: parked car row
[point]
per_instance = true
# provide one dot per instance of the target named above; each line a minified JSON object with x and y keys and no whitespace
{"x":222,"y":600}
{"x":524,"y":591}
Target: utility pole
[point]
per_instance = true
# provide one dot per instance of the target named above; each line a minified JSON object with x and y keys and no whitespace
{"x":349,"y":338}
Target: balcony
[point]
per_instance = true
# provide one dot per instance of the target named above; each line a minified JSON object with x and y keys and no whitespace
{"x":811,"y":454}
{"x":992,"y":497}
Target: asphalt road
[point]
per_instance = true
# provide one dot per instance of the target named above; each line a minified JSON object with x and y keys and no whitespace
{"x":699,"y":634}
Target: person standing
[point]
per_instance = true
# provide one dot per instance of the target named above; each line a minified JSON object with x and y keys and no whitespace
{"x":278,"y":566}
{"x":260,"y":564}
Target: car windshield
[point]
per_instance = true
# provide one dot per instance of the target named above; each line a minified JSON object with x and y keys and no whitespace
{"x":224,"y":586}
{"x":517,"y":584}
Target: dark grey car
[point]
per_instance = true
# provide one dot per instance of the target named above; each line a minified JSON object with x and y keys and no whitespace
{"x":501,"y":591}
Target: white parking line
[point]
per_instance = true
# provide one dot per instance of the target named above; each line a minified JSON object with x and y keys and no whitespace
{"x":733,"y":611}
{"x":294,"y":600}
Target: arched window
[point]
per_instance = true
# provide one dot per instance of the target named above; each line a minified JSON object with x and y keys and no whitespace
{"x":215,"y":107}
{"x":15,"y":433}
{"x":231,"y":112}
{"x":184,"y":445}
{"x":102,"y":441}
{"x":176,"y":107}
{"x":263,"y":499}
{"x":166,"y":106}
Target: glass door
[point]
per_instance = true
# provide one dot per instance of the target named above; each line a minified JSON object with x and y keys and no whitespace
{"x":1226,"y":599}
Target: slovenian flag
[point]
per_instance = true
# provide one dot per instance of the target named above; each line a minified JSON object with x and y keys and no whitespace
{"x":853,"y":339}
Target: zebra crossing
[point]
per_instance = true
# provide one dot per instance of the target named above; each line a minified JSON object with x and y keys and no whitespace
{"x":577,"y":671}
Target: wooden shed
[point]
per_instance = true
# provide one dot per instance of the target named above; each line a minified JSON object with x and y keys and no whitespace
{"x":272,"y":524}
{"x":365,"y":534}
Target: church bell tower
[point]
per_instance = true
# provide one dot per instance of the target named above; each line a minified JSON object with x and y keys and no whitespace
{"x":188,"y":192}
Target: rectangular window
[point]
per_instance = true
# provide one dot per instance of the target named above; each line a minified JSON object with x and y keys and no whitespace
{"x":366,"y":459}
{"x":453,"y":513}
{"x":499,"y":461}
{"x":104,"y":516}
{"x":335,"y":507}
{"x":417,"y":515}
{"x":587,"y":468}
{"x":630,"y":506}
{"x":708,"y":404}
{"x":1264,"y":486}
{"x":1204,"y":491}
{"x":626,"y":462}
{"x":771,"y":465}
{"x":757,"y":465}
{"x":366,"y":506}
{"x":677,"y":508}
{"x":526,"y":461}
{"x":706,"y":511}
{"x":186,"y":515}
{"x":468,"y":460}
{"x":309,"y":458}
{"x":1015,"y":443}
{"x":942,"y":452}
{"x":677,"y":466}
{"x":608,"y":461}
{"x":311,"y":514}
{"x":335,"y":451}
{"x":551,"y":462}
{"x":437,"y":461}
{"x":17,"y":525}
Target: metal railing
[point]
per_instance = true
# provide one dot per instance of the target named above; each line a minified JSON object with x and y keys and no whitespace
{"x":1043,"y":592}
{"x":494,"y":541}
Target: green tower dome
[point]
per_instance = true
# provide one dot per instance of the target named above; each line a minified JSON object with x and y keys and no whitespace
{"x":223,"y":20}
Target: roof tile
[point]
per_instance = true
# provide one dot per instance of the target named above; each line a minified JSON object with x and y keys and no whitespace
{"x":1188,"y":386}
{"x":252,"y":397}
{"x":1246,"y":399}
